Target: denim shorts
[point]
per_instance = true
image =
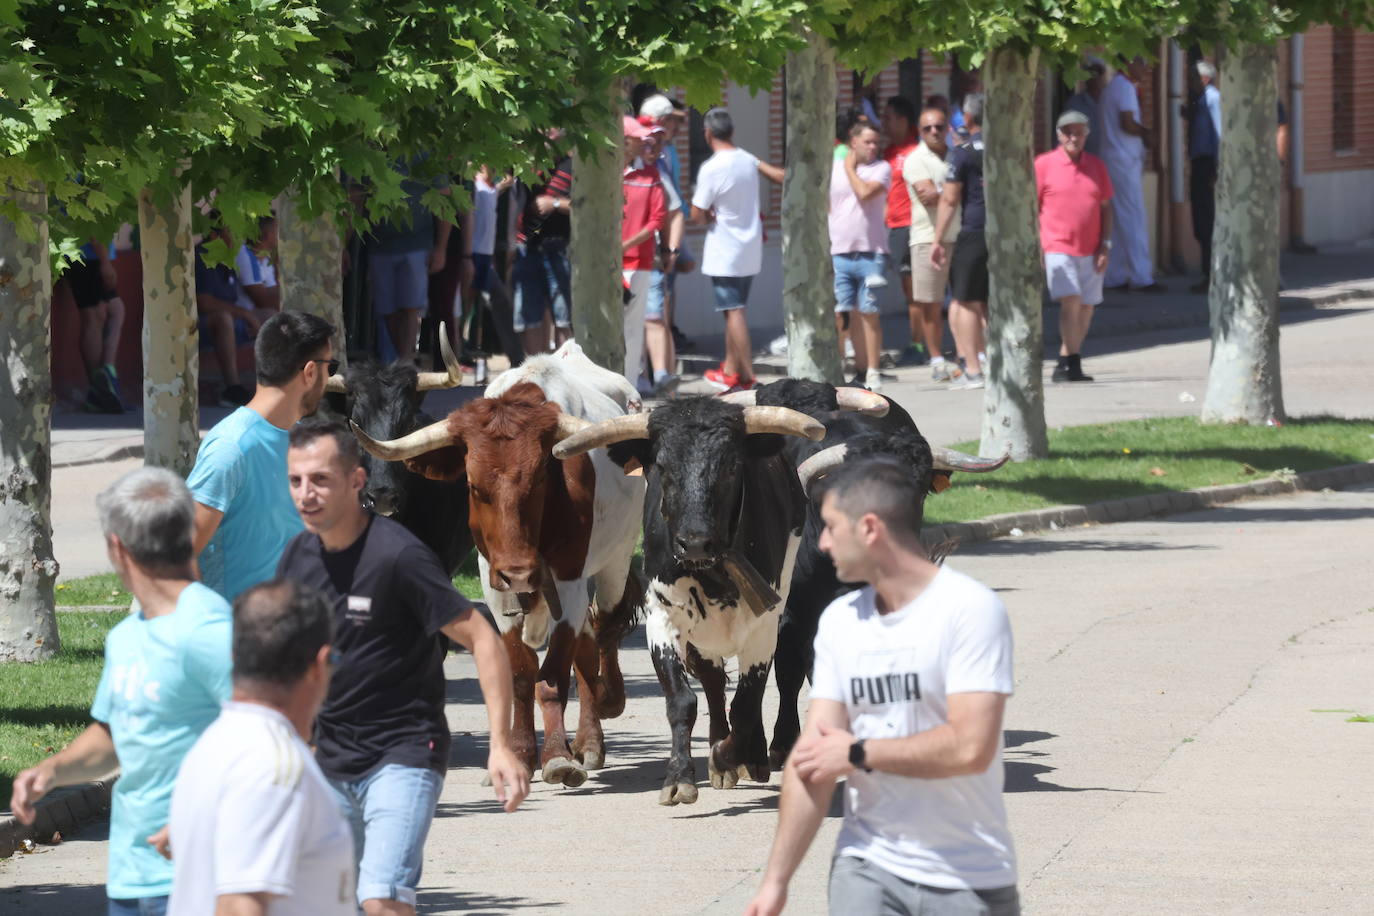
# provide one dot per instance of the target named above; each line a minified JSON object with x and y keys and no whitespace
{"x":859,"y":886}
{"x":858,"y":277}
{"x":543,"y":283}
{"x":207,"y":333}
{"x":137,"y":906}
{"x":731,"y":292}
{"x":661,"y":284}
{"x":399,"y":281}
{"x":390,"y":811}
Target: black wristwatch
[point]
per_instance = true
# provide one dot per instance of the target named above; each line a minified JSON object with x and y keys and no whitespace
{"x":857,"y":757}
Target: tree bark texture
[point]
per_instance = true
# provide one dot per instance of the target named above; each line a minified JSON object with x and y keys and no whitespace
{"x":311,"y":253}
{"x":28,"y":622}
{"x":808,"y":276}
{"x":1014,"y":399}
{"x":598,"y":204}
{"x":1243,"y":380}
{"x":171,"y":358}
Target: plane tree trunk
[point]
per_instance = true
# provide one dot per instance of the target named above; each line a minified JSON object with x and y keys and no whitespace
{"x":311,"y":252}
{"x":598,"y":306}
{"x":808,"y":277}
{"x":28,"y":621}
{"x":171,"y":356}
{"x":1014,"y":400}
{"x":1243,"y":380}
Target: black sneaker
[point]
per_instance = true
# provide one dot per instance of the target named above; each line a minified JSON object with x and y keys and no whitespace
{"x":236,"y":395}
{"x":1061,"y":374}
{"x":682,"y":342}
{"x":102,"y":396}
{"x":856,"y":382}
{"x":914,"y":355}
{"x":1075,"y":370}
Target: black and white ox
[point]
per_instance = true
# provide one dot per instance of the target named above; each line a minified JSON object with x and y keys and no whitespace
{"x":385,"y":402}
{"x":883,"y":428}
{"x":723,"y":515}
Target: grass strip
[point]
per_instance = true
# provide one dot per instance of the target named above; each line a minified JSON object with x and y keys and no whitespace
{"x":43,"y":705}
{"x":1090,"y":464}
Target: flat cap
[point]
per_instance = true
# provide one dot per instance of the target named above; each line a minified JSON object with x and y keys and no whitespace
{"x":1071,"y":116}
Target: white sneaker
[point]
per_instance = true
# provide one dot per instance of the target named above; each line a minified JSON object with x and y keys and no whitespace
{"x":848,"y":349}
{"x":873,"y":380}
{"x":778,"y":346}
{"x":966,"y":382}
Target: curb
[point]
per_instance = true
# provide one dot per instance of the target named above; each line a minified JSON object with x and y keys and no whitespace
{"x":1134,"y":508}
{"x":61,"y":812}
{"x":109,"y":453}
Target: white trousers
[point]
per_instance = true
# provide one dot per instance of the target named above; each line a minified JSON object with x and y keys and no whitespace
{"x":1130,"y":257}
{"x":634,"y":322}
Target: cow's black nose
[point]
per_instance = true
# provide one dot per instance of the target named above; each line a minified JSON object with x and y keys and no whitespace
{"x":694,"y":548}
{"x":383,"y":501}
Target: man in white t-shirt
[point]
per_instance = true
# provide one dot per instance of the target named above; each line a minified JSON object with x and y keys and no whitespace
{"x":258,"y":289}
{"x":924,"y":172}
{"x":726,"y":201}
{"x":255,"y":828}
{"x":858,"y":247}
{"x":1124,"y":143}
{"x":911,"y":677}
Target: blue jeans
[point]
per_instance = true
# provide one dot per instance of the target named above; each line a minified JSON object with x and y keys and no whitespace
{"x":390,"y":811}
{"x":662,"y":285}
{"x":543,"y":282}
{"x":137,"y":906}
{"x":858,"y":277}
{"x":731,"y":292}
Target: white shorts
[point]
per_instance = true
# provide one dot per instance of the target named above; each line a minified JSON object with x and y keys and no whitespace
{"x":1073,"y":275}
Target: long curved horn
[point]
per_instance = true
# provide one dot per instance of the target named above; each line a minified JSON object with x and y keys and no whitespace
{"x":431,"y":437}
{"x":428,"y":381}
{"x":783,"y":420}
{"x":607,"y":432}
{"x":861,"y":400}
{"x":742,"y":398}
{"x":820,"y":463}
{"x":947,"y":459}
{"x":568,"y":425}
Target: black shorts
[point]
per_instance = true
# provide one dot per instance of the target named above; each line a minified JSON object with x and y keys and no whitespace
{"x":88,"y":287}
{"x":898,"y":248}
{"x":968,"y":267}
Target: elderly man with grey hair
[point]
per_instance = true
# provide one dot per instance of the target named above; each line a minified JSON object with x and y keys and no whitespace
{"x":167,"y":668}
{"x":1203,"y":115}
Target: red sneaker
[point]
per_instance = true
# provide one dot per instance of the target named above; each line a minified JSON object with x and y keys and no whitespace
{"x":744,"y":384}
{"x":719,"y":378}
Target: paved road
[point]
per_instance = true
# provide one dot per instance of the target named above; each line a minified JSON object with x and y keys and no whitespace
{"x":1170,"y":747}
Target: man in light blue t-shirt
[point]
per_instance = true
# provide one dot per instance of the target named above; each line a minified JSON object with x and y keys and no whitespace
{"x":167,"y":668}
{"x":244,"y":513}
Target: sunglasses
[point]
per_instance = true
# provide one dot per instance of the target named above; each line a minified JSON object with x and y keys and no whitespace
{"x":332,"y":363}
{"x":937,"y":127}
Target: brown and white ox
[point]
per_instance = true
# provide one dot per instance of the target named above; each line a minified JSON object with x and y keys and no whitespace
{"x":540,"y":526}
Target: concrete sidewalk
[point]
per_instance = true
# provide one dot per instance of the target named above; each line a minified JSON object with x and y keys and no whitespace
{"x":1178,"y":743}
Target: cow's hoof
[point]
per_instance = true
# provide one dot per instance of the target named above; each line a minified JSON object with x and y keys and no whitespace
{"x":610,"y":710}
{"x":592,"y":758}
{"x":777,"y":758}
{"x":486,"y":780}
{"x":564,"y":771}
{"x":756,"y":772}
{"x":726,"y":779}
{"x":678,"y":793}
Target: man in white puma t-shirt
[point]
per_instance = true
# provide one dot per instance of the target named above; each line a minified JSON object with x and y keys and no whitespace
{"x":911,"y":677}
{"x":255,"y":828}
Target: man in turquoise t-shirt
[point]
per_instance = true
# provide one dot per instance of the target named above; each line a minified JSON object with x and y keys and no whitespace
{"x":167,"y":669}
{"x":244,"y":513}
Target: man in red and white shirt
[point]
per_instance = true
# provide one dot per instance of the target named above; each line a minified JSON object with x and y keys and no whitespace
{"x":899,"y":126}
{"x":1075,"y":198}
{"x":646,"y":207}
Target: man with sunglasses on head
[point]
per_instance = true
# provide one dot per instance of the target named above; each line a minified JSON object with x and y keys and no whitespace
{"x":244,"y":513}
{"x":923,"y":173}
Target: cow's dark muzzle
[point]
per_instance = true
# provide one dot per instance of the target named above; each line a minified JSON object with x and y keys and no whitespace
{"x":695,"y":551}
{"x":381,"y":501}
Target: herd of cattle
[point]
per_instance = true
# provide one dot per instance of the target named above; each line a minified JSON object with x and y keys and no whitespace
{"x":554,"y":474}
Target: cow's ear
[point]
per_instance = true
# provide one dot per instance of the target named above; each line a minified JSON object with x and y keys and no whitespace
{"x":939,"y":481}
{"x":763,"y":445}
{"x":632,"y":454}
{"x":447,"y":464}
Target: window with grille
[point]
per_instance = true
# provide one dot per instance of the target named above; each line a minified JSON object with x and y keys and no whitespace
{"x":1343,"y":89}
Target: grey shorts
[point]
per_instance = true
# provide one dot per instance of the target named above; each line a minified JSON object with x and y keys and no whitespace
{"x":399,"y":281}
{"x":1073,"y":275}
{"x":859,"y":886}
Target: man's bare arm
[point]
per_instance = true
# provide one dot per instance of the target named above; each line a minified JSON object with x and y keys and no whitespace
{"x":242,"y":904}
{"x":772,"y":172}
{"x":800,"y":813}
{"x":926,"y":192}
{"x":701,"y":217}
{"x":863,"y":189}
{"x":90,"y":756}
{"x":1133,"y":127}
{"x":207,"y":523}
{"x":966,"y":743}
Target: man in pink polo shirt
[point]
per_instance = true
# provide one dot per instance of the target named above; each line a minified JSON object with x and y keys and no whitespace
{"x":1075,"y":197}
{"x":646,"y":208}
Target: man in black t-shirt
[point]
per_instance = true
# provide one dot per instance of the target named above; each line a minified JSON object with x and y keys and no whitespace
{"x":381,"y":737}
{"x":968,"y":268}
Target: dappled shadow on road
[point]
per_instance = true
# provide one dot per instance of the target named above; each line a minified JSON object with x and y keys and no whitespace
{"x":476,"y":903}
{"x":634,"y":762}
{"x":1020,"y":774}
{"x":1031,"y":546}
{"x":53,"y":899}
